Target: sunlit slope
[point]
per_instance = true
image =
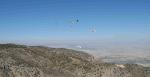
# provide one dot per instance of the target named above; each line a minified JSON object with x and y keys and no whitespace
{"x":38,"y":61}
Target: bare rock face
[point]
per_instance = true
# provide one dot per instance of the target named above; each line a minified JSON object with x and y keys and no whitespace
{"x":38,"y":61}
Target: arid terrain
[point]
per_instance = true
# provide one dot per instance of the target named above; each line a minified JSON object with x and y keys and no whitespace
{"x":39,"y":61}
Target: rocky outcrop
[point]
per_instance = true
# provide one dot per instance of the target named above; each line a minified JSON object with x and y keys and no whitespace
{"x":38,"y":61}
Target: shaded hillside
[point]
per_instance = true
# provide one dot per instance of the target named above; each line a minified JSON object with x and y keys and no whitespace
{"x":38,"y":61}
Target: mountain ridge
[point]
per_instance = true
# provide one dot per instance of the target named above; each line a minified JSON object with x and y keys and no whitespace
{"x":39,"y":61}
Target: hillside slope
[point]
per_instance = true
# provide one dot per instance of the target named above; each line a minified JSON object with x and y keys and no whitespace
{"x":38,"y":61}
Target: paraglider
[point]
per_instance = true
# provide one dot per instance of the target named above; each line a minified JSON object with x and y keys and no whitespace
{"x":74,"y":21}
{"x":77,"y":20}
{"x":93,"y":29}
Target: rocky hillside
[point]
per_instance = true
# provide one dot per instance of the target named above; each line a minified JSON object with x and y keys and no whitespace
{"x":38,"y":61}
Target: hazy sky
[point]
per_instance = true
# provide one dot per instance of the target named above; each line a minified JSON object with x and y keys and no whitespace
{"x":28,"y":20}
